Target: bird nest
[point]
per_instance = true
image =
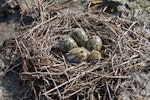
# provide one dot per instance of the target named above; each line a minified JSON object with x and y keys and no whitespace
{"x":51,"y":76}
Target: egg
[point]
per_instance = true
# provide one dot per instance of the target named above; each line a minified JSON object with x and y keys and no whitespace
{"x":80,"y":36}
{"x":66,"y":43}
{"x":94,"y":43}
{"x":77,"y":55}
{"x":94,"y":56}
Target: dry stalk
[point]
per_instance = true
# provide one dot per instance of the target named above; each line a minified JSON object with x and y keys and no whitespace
{"x":56,"y":78}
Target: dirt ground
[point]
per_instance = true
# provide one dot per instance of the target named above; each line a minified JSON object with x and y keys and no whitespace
{"x":11,"y":87}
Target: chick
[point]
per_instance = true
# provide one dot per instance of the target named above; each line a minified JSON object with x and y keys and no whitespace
{"x":77,"y":55}
{"x":94,"y":56}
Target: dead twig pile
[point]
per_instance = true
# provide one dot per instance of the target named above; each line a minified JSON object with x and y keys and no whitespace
{"x":51,"y":76}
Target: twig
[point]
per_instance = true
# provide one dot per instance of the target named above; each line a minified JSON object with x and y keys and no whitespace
{"x":79,"y":76}
{"x":108,"y":91}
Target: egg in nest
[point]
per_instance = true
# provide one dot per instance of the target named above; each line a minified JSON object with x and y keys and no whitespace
{"x":80,"y":36}
{"x":66,"y":43}
{"x":94,"y":43}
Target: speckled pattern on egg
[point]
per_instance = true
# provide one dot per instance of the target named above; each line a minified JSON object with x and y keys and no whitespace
{"x":66,"y":43}
{"x":80,"y":36}
{"x":94,"y":43}
{"x":79,"y":48}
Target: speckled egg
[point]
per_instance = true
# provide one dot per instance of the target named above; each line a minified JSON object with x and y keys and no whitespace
{"x":80,"y":36}
{"x":77,"y":55}
{"x":94,"y":43}
{"x":66,"y":43}
{"x":94,"y":56}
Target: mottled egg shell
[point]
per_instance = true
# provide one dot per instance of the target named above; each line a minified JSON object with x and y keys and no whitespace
{"x":66,"y":43}
{"x":94,"y":43}
{"x":94,"y":56}
{"x":80,"y":36}
{"x":77,"y":55}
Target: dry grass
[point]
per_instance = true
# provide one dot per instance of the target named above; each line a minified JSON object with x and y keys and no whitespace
{"x":51,"y":76}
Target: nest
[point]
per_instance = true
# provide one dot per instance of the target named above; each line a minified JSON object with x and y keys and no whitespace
{"x":51,"y":76}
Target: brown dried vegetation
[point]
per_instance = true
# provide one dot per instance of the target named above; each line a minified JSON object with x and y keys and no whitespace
{"x":52,"y":77}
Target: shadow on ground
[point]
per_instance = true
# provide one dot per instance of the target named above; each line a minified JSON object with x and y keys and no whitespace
{"x":11,"y":85}
{"x":12,"y":14}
